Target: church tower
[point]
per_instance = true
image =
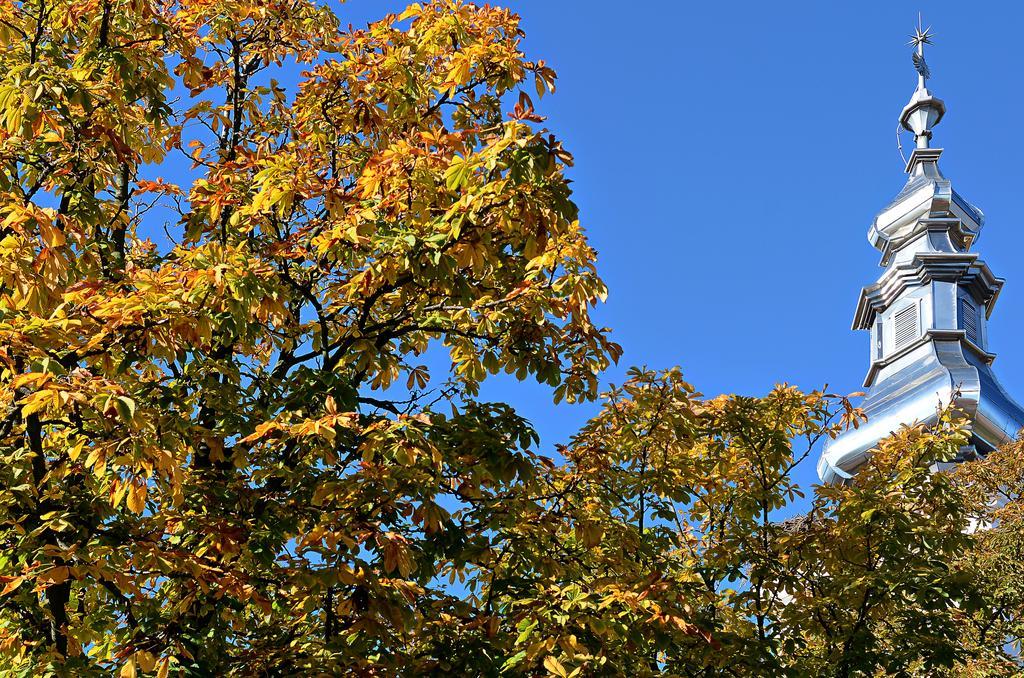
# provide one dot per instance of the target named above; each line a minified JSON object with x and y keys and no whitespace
{"x":928,"y":312}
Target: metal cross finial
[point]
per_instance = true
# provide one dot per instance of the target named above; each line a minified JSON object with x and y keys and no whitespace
{"x":920,"y":38}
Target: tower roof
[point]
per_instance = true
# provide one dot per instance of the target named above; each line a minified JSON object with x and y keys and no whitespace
{"x":927,"y":313}
{"x":927,"y":191}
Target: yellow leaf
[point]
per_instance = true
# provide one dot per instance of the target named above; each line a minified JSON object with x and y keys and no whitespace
{"x":261,"y":431}
{"x":128,"y":670}
{"x":76,"y":451}
{"x":117,"y":491}
{"x":35,"y":403}
{"x":147,"y":660}
{"x":36,"y":378}
{"x":93,"y":457}
{"x":554,"y":666}
{"x":411,"y":11}
{"x":459,"y":72}
{"x":52,"y":236}
{"x":165,"y":667}
{"x":137,"y":496}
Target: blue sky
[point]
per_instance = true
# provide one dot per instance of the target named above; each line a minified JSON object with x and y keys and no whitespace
{"x":729,"y":159}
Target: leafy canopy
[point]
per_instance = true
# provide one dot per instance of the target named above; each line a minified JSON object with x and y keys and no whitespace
{"x":231,"y":236}
{"x":213,"y":286}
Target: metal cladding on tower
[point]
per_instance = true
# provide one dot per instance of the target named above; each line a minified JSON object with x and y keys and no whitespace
{"x":928,"y":312}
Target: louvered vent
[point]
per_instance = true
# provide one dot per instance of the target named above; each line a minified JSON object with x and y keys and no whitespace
{"x":906,"y":326}
{"x":969,"y":320}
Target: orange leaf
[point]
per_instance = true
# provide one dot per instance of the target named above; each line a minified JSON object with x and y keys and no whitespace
{"x":11,"y":585}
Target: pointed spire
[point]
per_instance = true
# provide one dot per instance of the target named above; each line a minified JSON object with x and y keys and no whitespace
{"x":924,"y":110}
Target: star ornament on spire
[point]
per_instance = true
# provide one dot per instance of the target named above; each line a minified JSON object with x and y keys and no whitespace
{"x":920,"y":38}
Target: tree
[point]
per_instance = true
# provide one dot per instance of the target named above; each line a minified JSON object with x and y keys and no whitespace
{"x":221,"y":451}
{"x":231,"y":236}
{"x":664,"y":553}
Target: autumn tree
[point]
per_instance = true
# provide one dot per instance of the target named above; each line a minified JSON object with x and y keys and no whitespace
{"x":234,"y":235}
{"x":664,"y":549}
{"x":229,"y":232}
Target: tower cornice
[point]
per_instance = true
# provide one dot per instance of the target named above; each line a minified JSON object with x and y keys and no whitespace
{"x":964,"y":268}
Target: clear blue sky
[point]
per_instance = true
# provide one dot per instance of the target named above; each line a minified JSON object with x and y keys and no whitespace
{"x":730,"y":157}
